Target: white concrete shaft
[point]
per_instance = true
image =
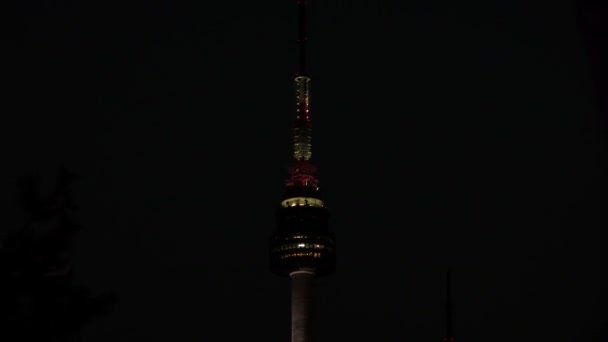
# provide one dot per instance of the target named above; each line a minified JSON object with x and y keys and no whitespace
{"x":301,"y":283}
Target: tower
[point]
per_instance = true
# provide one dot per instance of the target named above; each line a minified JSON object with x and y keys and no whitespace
{"x":592,"y":18}
{"x":302,"y":247}
{"x":449,"y":333}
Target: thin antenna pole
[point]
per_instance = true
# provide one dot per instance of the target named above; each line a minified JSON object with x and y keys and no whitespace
{"x":449,"y":333}
{"x":302,"y":36}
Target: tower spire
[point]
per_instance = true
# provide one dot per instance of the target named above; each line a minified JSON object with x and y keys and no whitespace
{"x":302,"y":36}
{"x":302,"y":126}
{"x":449,"y":333}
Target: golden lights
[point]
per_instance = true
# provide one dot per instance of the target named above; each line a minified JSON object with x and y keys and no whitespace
{"x":300,"y":254}
{"x":302,"y":201}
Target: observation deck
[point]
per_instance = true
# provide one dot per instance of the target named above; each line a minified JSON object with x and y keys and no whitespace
{"x":302,"y":240}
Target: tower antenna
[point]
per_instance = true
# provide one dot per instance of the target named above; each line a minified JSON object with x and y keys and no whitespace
{"x":302,"y":135}
{"x":302,"y":36}
{"x":449,"y":333}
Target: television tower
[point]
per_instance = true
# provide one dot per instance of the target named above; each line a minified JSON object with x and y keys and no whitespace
{"x":449,"y":333}
{"x":302,"y":247}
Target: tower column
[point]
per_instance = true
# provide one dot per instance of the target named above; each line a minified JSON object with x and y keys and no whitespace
{"x":301,"y":283}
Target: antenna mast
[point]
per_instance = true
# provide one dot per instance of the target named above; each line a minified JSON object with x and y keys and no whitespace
{"x":302,"y":126}
{"x":449,"y":333}
{"x":302,"y":36}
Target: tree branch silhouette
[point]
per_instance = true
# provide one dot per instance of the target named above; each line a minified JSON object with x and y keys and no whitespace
{"x":38,"y":298}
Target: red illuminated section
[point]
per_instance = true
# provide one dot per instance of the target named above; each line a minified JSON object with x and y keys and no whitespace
{"x":302,"y":174}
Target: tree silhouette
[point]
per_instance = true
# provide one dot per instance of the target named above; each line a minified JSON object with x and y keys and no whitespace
{"x":38,"y":299}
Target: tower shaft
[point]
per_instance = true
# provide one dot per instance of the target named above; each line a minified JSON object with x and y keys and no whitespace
{"x":301,"y":283}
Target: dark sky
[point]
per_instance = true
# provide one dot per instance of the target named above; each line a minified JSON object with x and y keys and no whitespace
{"x":460,"y":136}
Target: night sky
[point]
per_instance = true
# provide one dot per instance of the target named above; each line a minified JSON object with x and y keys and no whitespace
{"x":460,"y":136}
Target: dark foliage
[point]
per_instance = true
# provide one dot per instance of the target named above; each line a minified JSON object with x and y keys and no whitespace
{"x":38,"y":299}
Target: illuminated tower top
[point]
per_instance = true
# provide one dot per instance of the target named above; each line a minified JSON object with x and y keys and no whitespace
{"x":302,"y":240}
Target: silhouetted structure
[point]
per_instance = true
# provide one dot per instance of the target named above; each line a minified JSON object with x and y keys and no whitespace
{"x":38,"y":301}
{"x":592,"y":18}
{"x":449,"y":330}
{"x":302,"y":247}
{"x":593,"y":22}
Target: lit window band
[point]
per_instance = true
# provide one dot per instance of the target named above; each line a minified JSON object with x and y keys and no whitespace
{"x":302,"y":201}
